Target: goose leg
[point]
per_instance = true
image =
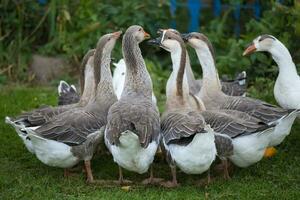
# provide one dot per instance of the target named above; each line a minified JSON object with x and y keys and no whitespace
{"x":66,"y":173}
{"x":208,"y":177}
{"x":225,"y":168}
{"x":89,"y":174}
{"x":151,"y":179}
{"x":173,"y":183}
{"x":121,"y":180}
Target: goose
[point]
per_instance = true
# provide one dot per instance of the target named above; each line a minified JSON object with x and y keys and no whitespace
{"x":236,"y":87}
{"x":41,"y":115}
{"x":74,"y":135}
{"x":188,"y":142}
{"x":215,"y":99}
{"x":119,"y":79}
{"x":237,"y":135}
{"x":22,"y":122}
{"x":287,"y":85}
{"x":67,"y":94}
{"x":132,"y":133}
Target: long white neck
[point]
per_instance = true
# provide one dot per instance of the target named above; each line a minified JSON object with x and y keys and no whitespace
{"x":210,"y":75}
{"x":177,"y":95}
{"x":283,"y":58}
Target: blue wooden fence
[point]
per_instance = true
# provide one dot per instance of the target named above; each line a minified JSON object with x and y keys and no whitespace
{"x":195,"y":7}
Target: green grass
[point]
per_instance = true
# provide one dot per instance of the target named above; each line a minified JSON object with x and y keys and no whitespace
{"x":22,"y":176}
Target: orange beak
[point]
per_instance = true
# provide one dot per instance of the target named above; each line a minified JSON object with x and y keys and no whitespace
{"x":146,"y":35}
{"x":117,"y":34}
{"x":250,"y":49}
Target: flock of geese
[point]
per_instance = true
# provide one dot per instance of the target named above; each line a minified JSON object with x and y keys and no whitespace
{"x":203,"y":119}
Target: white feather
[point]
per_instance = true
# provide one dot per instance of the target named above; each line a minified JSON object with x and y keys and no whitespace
{"x":196,"y":157}
{"x":130,"y":155}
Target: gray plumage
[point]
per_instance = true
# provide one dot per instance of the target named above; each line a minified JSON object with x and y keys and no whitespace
{"x":73,"y":127}
{"x":43,"y":114}
{"x":135,"y":110}
{"x":180,"y":127}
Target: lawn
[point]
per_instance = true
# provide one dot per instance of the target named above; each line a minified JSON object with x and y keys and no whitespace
{"x":22,"y":176}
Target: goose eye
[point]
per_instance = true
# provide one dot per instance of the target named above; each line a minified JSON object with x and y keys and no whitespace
{"x":123,"y":73}
{"x":140,"y":29}
{"x":260,"y":39}
{"x":169,"y":38}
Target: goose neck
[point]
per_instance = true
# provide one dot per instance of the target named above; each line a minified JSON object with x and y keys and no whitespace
{"x":177,"y":85}
{"x":89,"y":84}
{"x":283,"y":58}
{"x":210,"y":74}
{"x":137,"y":79}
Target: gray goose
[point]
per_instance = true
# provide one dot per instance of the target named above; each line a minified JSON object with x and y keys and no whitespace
{"x":74,"y":135}
{"x":132,"y":132}
{"x":67,"y":94}
{"x":41,"y":115}
{"x":188,"y":142}
{"x":215,"y":99}
{"x":22,"y":121}
{"x":236,"y":87}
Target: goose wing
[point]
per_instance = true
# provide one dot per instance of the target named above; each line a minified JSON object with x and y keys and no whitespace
{"x":71,"y":127}
{"x":265,"y":112}
{"x":180,"y":127}
{"x":233,"y":123}
{"x":140,"y":117}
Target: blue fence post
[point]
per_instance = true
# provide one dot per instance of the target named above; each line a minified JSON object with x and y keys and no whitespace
{"x":173,"y":10}
{"x":257,"y":9}
{"x":217,"y":8}
{"x":194,"y":7}
{"x":237,"y":15}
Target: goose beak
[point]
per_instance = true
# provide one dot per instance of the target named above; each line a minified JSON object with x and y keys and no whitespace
{"x":117,"y":34}
{"x":146,"y":35}
{"x":185,"y":37}
{"x":155,"y":41}
{"x":250,"y":49}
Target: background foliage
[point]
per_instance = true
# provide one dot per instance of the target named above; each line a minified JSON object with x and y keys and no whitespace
{"x":69,"y":28}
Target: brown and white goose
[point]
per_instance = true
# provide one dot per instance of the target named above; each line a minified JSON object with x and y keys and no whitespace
{"x":132,"y":132}
{"x":22,"y":121}
{"x":236,"y":87}
{"x":215,"y":99}
{"x":287,"y":85}
{"x":74,"y":135}
{"x":188,"y":142}
{"x":237,"y":134}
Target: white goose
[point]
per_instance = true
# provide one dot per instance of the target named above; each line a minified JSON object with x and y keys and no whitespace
{"x":74,"y":135}
{"x":287,"y":85}
{"x":214,"y":98}
{"x":132,"y":133}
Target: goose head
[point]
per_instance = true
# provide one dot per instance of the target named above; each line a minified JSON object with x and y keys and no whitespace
{"x":108,"y":41}
{"x":199,"y":42}
{"x":138,"y":33}
{"x":261,"y":43}
{"x":169,"y":41}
